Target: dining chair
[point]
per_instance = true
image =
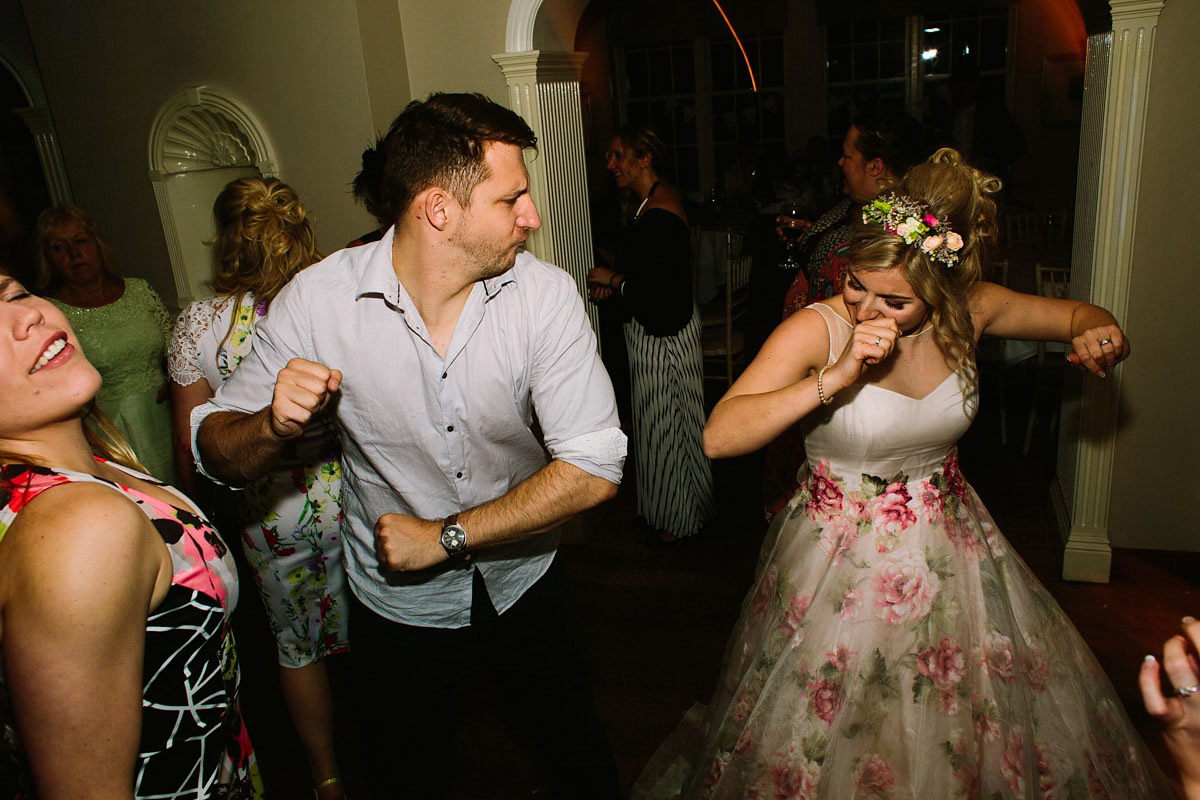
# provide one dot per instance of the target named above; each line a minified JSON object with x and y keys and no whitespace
{"x":1051,"y":282}
{"x":722,"y":340}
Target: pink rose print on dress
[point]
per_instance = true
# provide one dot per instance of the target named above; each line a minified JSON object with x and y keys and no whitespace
{"x":943,"y":664}
{"x":840,"y":657}
{"x":826,"y":697}
{"x":929,"y":502}
{"x":715,"y":770}
{"x":838,"y":536}
{"x":766,"y":591}
{"x":873,"y":776}
{"x":851,"y":603}
{"x":825,"y":493}
{"x":996,"y":657}
{"x":797,"y":608}
{"x":1049,"y":764}
{"x":1037,"y":671}
{"x":793,"y":776}
{"x":956,"y":483}
{"x":891,"y":515}
{"x":904,"y":587}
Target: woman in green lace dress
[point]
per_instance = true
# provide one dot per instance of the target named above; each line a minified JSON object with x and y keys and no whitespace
{"x":121,"y":323}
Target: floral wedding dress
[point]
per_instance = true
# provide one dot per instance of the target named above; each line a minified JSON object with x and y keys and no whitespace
{"x":894,"y":646}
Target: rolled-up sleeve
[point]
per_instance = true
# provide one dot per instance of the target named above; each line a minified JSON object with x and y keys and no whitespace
{"x":572,"y":394}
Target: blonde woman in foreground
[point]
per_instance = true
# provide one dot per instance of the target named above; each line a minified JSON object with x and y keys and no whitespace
{"x":120,"y":676}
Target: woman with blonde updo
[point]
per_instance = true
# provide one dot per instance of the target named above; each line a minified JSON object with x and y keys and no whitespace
{"x":291,"y":517}
{"x":894,"y":645}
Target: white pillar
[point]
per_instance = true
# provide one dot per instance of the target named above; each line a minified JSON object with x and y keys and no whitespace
{"x":1104,"y":242}
{"x":544,"y":89}
{"x":41,"y":125}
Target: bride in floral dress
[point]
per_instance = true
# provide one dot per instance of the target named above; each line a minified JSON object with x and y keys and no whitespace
{"x":894,"y":645}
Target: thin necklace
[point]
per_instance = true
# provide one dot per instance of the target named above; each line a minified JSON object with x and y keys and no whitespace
{"x":921,"y":332}
{"x":646,"y":199}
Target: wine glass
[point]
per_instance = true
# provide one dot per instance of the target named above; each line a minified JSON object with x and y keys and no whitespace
{"x":791,"y":225}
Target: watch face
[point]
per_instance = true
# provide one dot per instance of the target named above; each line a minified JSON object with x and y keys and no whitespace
{"x":454,"y":539}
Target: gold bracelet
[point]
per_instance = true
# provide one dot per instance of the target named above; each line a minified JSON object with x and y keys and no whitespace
{"x":821,"y":388}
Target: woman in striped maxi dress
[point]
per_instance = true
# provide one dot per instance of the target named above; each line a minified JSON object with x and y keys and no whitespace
{"x":653,"y":281}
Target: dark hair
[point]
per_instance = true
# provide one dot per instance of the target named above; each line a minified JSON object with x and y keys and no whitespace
{"x":889,"y":135}
{"x":440,"y":141}
{"x":642,"y":140}
{"x":368,"y":183}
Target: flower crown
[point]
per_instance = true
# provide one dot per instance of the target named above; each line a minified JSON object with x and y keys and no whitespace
{"x":915,"y":223}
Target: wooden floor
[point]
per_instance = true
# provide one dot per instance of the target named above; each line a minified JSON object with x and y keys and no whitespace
{"x":656,"y":620}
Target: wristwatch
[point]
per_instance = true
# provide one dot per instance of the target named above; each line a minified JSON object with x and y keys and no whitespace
{"x":454,"y":537}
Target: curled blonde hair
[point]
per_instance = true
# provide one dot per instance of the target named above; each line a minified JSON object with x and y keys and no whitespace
{"x":961,"y":196}
{"x":264,"y":237}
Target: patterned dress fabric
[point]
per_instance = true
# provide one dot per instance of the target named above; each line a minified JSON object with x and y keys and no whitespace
{"x":126,"y":341}
{"x":193,"y":741}
{"x":674,"y":477}
{"x":894,"y":646}
{"x":292,"y":517}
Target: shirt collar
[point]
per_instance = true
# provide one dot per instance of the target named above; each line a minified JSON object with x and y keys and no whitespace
{"x":379,"y":277}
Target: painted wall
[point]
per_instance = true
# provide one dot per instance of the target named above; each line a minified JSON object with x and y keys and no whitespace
{"x":449,"y":46}
{"x":298,"y":66}
{"x":1156,"y":484}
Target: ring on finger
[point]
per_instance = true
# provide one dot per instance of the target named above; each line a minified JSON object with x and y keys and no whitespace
{"x":877,"y":338}
{"x":1187,"y":691}
{"x":1105,"y":341}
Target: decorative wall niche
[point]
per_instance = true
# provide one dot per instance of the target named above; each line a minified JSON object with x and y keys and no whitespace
{"x":200,"y":140}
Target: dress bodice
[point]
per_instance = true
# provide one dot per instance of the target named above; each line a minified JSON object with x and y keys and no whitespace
{"x":124,"y":340}
{"x":875,"y":431}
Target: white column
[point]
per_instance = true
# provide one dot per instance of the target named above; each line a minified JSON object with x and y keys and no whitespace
{"x":41,"y":125}
{"x":1086,"y":461}
{"x":544,"y":89}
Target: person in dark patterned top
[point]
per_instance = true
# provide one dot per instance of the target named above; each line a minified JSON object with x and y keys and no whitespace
{"x":120,"y":672}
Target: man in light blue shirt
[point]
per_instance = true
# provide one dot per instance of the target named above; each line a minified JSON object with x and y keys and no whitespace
{"x":475,"y":417}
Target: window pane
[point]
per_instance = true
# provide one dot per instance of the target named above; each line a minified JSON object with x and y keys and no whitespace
{"x":685,"y":70}
{"x":635,"y":72}
{"x":892,"y":60}
{"x":771,"y":116}
{"x":838,"y":64}
{"x":866,"y":65}
{"x":660,"y":72}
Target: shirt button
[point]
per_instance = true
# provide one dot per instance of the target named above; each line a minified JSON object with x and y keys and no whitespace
{"x":450,"y":428}
{"x":444,"y":374}
{"x":458,"y":475}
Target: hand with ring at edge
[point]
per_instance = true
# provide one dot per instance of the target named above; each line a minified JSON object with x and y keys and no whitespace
{"x":1176,"y":705}
{"x":1099,"y":349}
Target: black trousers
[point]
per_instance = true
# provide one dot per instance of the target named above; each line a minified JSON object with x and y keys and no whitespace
{"x":409,"y":685}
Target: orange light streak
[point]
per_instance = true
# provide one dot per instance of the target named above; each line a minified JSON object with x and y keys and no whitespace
{"x":736,"y":38}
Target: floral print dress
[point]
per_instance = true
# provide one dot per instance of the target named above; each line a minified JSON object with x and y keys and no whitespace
{"x":193,"y":740}
{"x":292,"y":517}
{"x":894,"y":646}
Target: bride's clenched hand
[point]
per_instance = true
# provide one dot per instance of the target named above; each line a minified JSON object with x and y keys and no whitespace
{"x":871,"y":342}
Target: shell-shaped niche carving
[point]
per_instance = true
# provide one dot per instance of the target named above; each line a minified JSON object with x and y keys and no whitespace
{"x":204,"y":138}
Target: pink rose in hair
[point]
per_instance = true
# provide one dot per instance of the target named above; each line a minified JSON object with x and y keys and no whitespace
{"x":931,"y":243}
{"x":953,"y":241}
{"x":930,"y":220}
